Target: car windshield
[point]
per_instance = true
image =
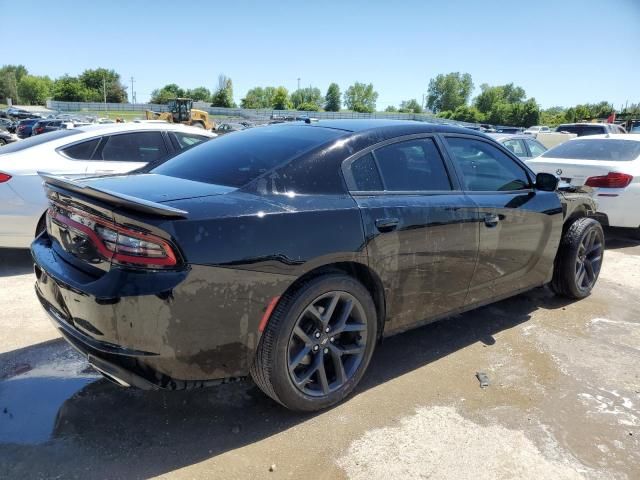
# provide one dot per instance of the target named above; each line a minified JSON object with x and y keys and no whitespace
{"x":597,"y":149}
{"x":236,"y":160}
{"x":37,"y":140}
{"x":582,"y":130}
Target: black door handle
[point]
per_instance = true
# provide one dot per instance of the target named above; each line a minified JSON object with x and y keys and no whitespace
{"x":387,"y":224}
{"x":491,"y":220}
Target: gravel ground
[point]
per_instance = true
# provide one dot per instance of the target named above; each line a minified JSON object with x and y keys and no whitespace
{"x":563,"y":400}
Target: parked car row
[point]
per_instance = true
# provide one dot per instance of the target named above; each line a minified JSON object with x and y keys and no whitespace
{"x":580,"y":129}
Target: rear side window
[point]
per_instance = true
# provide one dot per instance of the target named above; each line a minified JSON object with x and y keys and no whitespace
{"x":134,"y":147}
{"x":365,"y":174}
{"x":516,"y":147}
{"x":485,"y":168}
{"x":82,"y":150}
{"x":188,"y":140}
{"x":413,"y":165}
{"x":235,"y":160}
{"x":596,"y":149}
{"x":536,"y":148}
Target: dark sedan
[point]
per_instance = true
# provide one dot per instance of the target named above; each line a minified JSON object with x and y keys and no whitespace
{"x":25,"y":127}
{"x":49,"y":125}
{"x":286,"y":252}
{"x":6,"y":137}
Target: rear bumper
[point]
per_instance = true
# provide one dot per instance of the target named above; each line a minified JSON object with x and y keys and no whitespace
{"x":622,"y":210}
{"x":170,"y":330}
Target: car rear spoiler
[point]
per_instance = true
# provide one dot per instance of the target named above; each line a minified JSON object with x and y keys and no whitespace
{"x":114,"y":198}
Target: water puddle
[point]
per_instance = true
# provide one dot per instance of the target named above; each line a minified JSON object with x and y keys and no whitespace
{"x":29,"y":403}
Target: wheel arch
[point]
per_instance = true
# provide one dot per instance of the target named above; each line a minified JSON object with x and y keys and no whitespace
{"x":361,"y":272}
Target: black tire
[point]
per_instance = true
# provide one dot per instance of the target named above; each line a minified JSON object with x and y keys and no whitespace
{"x":271,"y":368}
{"x":2,"y":142}
{"x":579,"y":259}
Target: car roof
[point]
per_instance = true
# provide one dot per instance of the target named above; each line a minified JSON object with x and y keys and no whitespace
{"x":585,"y":124}
{"x":133,"y":127}
{"x":399,"y":127}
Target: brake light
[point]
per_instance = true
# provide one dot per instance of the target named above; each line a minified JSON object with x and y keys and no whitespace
{"x":118,"y":243}
{"x":610,"y":180}
{"x":4,"y":177}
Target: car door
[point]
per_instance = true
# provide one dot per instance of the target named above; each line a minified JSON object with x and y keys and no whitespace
{"x":519,"y":227}
{"x":124,"y":152}
{"x":421,"y":237}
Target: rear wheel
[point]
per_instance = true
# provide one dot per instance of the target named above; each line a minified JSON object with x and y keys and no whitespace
{"x":579,"y":259}
{"x":318,"y":343}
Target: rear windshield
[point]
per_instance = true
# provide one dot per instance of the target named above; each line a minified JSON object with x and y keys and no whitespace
{"x":235,"y":160}
{"x":37,"y":140}
{"x":582,"y":130}
{"x":596,"y":149}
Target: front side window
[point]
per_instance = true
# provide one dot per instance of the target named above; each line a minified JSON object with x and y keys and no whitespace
{"x":484,"y":168}
{"x":412,"y":165}
{"x":134,"y":147}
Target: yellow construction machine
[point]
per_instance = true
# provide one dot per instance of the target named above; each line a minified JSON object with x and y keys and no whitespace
{"x":180,"y":111}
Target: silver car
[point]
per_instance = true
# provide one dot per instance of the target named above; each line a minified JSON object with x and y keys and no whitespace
{"x":523,"y":146}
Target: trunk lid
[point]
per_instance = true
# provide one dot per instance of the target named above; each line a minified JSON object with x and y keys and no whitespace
{"x":576,"y":172}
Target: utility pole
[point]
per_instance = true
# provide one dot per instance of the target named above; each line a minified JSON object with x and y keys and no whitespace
{"x":133,"y":95}
{"x":298,"y":83}
{"x":104,"y":92}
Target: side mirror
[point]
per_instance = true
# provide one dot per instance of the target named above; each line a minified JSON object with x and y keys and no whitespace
{"x":547,"y":182}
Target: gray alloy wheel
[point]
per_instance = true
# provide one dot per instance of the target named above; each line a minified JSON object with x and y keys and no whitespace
{"x":317,"y":344}
{"x":327,"y":344}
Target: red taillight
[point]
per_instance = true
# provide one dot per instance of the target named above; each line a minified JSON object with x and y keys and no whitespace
{"x":610,"y":180}
{"x":4,"y":177}
{"x":118,"y":243}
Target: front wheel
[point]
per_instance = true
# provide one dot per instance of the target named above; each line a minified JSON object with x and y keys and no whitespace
{"x":579,"y":259}
{"x":317,"y":344}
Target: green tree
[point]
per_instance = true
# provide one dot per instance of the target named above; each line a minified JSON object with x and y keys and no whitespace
{"x":70,"y":89}
{"x":308,"y":97}
{"x":360,"y":97}
{"x":199,"y":94}
{"x":10,"y":76}
{"x":223,"y":96}
{"x":450,"y":91}
{"x":491,"y":96}
{"x":410,"y":106}
{"x":332,"y":101}
{"x":391,"y":109}
{"x":166,"y":93}
{"x":280,"y":100}
{"x":465,"y":113}
{"x":34,"y":90}
{"x":100,"y":81}
{"x":259,"y":97}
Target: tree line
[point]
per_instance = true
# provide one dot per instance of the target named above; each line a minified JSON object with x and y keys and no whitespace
{"x":92,"y":85}
{"x":448,"y":96}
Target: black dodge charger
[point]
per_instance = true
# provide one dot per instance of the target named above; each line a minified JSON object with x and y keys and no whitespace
{"x":287,"y":252}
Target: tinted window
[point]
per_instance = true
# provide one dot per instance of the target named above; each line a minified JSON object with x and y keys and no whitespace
{"x":37,"y":140}
{"x":365,"y":173}
{"x":536,"y":148}
{"x":485,"y":168}
{"x":134,"y":147}
{"x":596,"y":149}
{"x":412,"y":165}
{"x":82,"y":150}
{"x":516,"y":147}
{"x":582,"y":130}
{"x":188,"y":140}
{"x":235,"y":160}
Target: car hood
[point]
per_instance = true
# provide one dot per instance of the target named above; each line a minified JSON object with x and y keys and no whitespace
{"x":153,"y":187}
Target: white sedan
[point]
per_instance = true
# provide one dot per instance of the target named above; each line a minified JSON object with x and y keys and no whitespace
{"x":84,"y":151}
{"x":610,"y":164}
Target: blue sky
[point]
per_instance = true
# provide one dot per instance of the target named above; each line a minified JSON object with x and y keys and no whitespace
{"x":560,"y":52}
